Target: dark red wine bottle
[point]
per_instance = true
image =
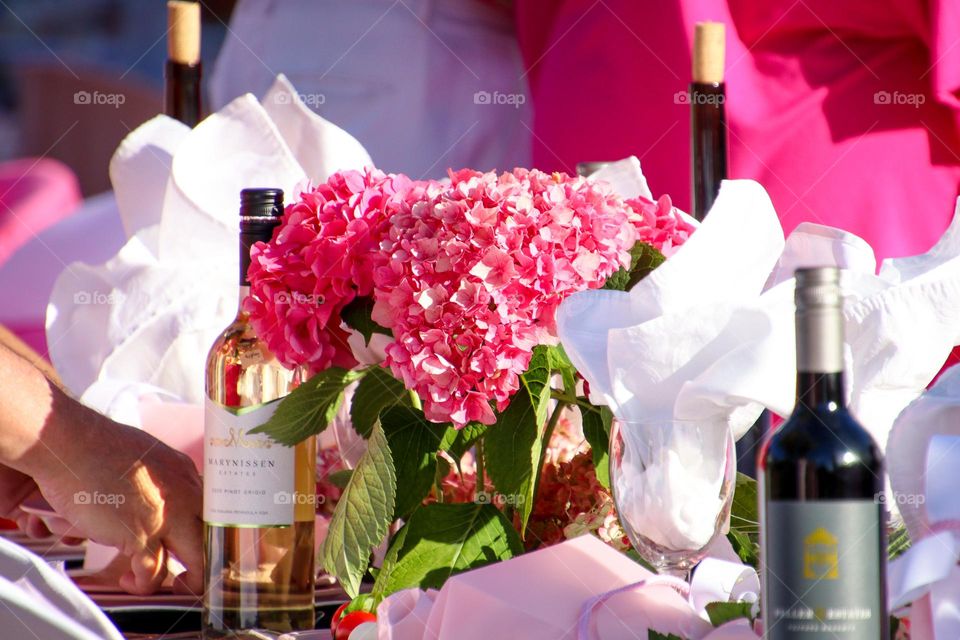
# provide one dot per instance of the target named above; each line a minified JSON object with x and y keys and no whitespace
{"x":708,"y":120}
{"x":822,"y":521}
{"x":183,"y":71}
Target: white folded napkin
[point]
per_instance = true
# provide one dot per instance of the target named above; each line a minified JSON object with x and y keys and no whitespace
{"x":37,"y":601}
{"x":910,"y":458}
{"x":139,"y":326}
{"x":923,"y":460}
{"x":709,"y":335}
{"x":145,"y":319}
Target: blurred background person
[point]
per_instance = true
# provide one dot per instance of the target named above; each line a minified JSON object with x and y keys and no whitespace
{"x":846,"y":113}
{"x":423,"y":84}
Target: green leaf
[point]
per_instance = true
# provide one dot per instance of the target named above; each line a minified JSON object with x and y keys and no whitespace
{"x":442,"y":471}
{"x":414,"y":442}
{"x":377,"y":391}
{"x":744,"y":514}
{"x":636,"y":557}
{"x":457,"y":442}
{"x":363,"y":602}
{"x":340,"y":478}
{"x":898,"y":543}
{"x":357,"y":316}
{"x":363,"y":515}
{"x":513,"y":446}
{"x":744,"y":531}
{"x":559,"y":362}
{"x":644,"y":258}
{"x":309,"y":408}
{"x":894,"y":626}
{"x":656,"y":635}
{"x":596,"y":429}
{"x":723,"y":612}
{"x":746,"y":548}
{"x":440,"y":540}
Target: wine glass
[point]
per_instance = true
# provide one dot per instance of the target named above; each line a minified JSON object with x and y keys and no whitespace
{"x":673,"y":483}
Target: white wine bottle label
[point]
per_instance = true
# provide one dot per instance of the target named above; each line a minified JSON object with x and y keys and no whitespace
{"x":248,"y":479}
{"x":822,"y":570}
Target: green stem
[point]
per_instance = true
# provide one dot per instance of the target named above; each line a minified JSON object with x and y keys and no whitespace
{"x":547,"y":435}
{"x":415,"y":401}
{"x":570,"y":399}
{"x":481,"y":480}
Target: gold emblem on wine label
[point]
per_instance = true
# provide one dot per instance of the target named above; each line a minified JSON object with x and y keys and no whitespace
{"x":820,"y":556}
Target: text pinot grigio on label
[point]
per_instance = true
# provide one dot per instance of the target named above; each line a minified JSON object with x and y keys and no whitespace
{"x":244,"y":473}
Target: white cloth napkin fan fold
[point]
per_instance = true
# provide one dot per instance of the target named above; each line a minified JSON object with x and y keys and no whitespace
{"x":142,"y":322}
{"x":709,"y":335}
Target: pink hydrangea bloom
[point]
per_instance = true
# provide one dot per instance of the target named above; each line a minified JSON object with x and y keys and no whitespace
{"x":661,"y":226}
{"x":466,"y":275}
{"x":319,"y":260}
{"x":474,"y":271}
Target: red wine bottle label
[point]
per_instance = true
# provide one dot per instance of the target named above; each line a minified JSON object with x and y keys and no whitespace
{"x":821,"y":570}
{"x":248,"y":479}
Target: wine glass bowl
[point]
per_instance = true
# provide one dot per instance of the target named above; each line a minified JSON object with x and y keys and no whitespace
{"x":673,"y":483}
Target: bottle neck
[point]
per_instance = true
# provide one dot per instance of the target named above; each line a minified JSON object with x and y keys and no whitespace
{"x":244,"y":292}
{"x":820,"y":389}
{"x":182,"y":94}
{"x":250,"y":234}
{"x":708,"y":123}
{"x":820,"y":356}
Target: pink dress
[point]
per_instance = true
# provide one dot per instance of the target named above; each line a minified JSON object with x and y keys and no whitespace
{"x":846,"y":112}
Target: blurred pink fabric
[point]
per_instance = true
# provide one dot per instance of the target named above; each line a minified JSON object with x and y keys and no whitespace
{"x":35,"y":193}
{"x":846,"y":112}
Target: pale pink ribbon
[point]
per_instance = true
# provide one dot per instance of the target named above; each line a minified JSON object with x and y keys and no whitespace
{"x":586,"y":613}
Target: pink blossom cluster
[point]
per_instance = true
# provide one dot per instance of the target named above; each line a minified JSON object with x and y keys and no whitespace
{"x":474,"y":273}
{"x":660,"y":225}
{"x":320,"y":260}
{"x":467,"y":275}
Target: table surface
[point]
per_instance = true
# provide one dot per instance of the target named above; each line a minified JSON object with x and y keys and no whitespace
{"x":162,"y":615}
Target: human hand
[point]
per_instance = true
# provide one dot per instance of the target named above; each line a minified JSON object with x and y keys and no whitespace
{"x":15,"y":487}
{"x":121,"y":487}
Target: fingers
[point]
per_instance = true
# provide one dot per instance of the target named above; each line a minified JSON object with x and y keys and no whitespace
{"x":186,"y":543}
{"x":15,"y":487}
{"x":33,"y":526}
{"x":63,"y":528}
{"x":148,"y":568}
{"x":188,"y":583}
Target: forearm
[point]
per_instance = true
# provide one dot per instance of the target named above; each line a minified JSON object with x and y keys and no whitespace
{"x":39,"y":423}
{"x":23,"y":350}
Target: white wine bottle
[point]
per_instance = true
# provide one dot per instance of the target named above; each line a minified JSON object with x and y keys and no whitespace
{"x":822,"y":522}
{"x":258,"y":496}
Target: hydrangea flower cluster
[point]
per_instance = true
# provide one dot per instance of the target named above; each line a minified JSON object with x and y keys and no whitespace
{"x":466,"y":275}
{"x":319,"y":261}
{"x":473,"y":275}
{"x":661,"y":226}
